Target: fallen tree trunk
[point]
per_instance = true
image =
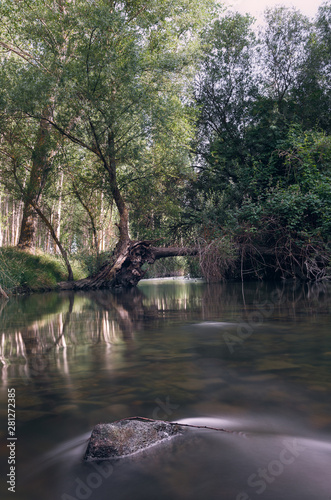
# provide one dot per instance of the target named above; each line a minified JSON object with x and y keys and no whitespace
{"x":124,"y":270}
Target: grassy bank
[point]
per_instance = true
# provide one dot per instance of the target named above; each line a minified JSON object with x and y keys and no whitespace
{"x":22,"y":271}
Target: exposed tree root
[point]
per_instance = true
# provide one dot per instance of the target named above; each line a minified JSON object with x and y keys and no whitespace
{"x":124,"y":270}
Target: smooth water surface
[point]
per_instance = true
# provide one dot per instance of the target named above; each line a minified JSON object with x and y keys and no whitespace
{"x":254,"y":359}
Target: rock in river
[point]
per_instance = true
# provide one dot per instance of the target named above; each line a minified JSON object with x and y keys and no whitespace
{"x":128,"y":436}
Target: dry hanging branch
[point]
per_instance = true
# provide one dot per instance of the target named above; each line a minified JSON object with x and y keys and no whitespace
{"x":216,"y":258}
{"x":177,"y":423}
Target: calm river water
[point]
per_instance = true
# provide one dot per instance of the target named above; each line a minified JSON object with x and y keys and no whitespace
{"x":254,"y":359}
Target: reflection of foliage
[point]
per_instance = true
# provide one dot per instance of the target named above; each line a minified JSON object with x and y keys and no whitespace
{"x":41,"y":333}
{"x":31,"y":309}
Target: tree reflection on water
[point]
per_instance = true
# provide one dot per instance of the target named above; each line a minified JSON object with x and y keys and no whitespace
{"x":36,"y":329}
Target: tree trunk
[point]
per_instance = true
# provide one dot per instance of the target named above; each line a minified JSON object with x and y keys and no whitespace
{"x":95,"y":241}
{"x":59,"y":208}
{"x":36,"y":183}
{"x":3,"y":294}
{"x":57,"y":241}
{"x":125,"y":269}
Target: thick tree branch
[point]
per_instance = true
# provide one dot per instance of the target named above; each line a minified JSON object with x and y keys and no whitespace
{"x":161,"y":253}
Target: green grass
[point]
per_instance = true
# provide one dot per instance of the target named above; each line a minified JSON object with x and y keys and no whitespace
{"x":24,"y":271}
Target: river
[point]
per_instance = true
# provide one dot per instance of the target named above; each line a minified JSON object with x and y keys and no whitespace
{"x":250,"y":358}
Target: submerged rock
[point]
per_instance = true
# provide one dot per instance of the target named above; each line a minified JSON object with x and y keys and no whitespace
{"x":128,"y":436}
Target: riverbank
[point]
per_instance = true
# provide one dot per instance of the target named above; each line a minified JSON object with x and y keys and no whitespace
{"x":25,"y":272}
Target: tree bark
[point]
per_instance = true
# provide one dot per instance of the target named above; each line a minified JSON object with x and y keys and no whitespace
{"x":123,"y":226}
{"x":162,"y":252}
{"x":36,"y":183}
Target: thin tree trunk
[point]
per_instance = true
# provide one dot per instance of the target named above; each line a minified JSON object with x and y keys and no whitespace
{"x":57,"y":241}
{"x":1,"y":217}
{"x":5,"y":218}
{"x":59,"y":211}
{"x":52,"y":231}
{"x":89,"y":213}
{"x":18,"y":221}
{"x":102,"y":231}
{"x":13,"y":220}
{"x":3,"y":294}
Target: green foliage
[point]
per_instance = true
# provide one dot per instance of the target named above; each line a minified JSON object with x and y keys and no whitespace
{"x":264,"y":174}
{"x":171,"y":266}
{"x":115,"y":81}
{"x":283,"y":51}
{"x":131,"y":90}
{"x":89,"y":262}
{"x":192,"y":267}
{"x":300,"y":201}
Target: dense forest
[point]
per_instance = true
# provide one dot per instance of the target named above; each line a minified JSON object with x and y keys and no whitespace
{"x":132,"y":131}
